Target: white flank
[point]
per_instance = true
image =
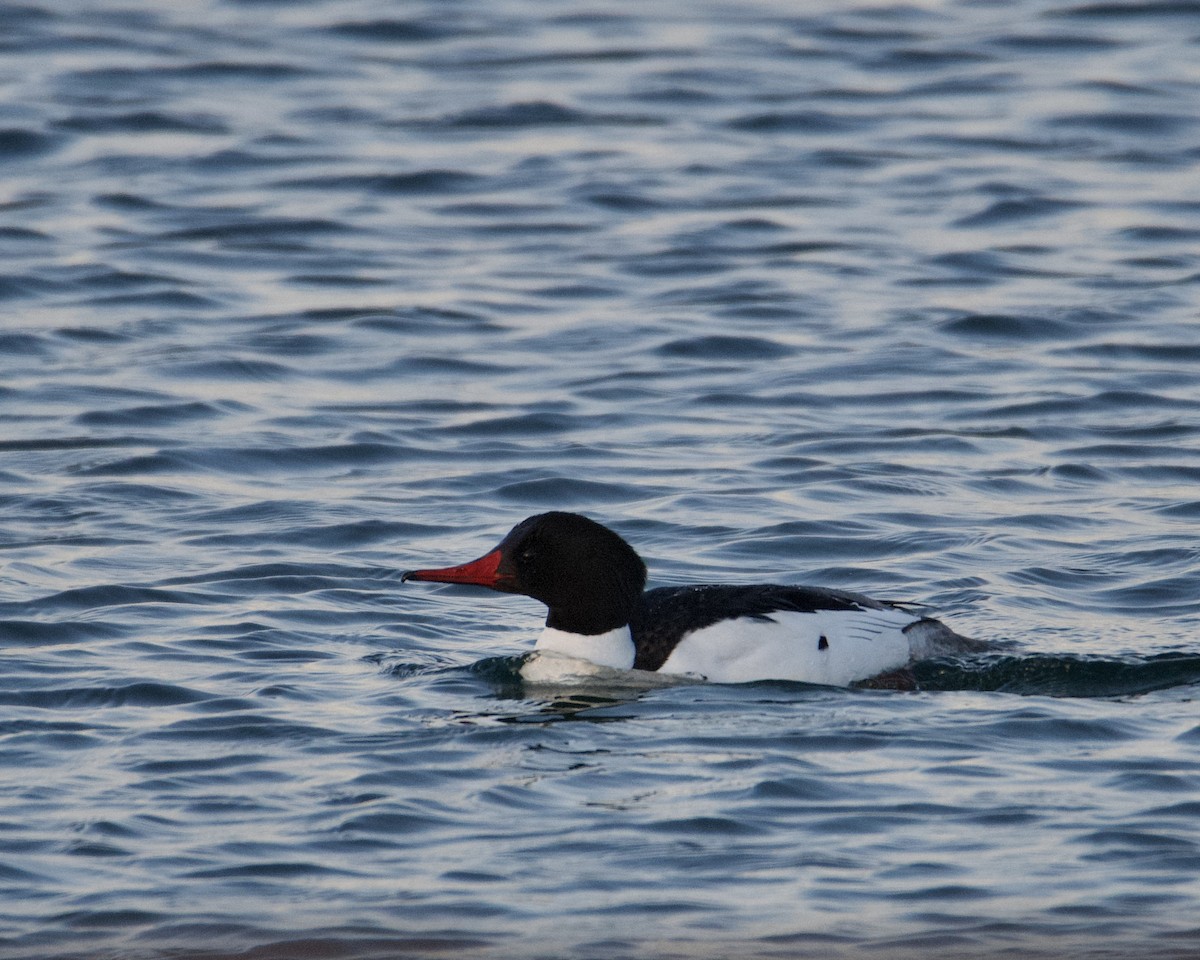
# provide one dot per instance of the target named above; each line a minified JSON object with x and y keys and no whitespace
{"x":858,"y":644}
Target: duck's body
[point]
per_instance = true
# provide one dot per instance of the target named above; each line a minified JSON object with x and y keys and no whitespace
{"x":593,"y":582}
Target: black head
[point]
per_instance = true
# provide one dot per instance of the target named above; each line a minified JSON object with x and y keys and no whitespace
{"x":586,"y":574}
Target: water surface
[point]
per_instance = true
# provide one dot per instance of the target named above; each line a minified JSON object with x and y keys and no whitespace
{"x":898,"y":298}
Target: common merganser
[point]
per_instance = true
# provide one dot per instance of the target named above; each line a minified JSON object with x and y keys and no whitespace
{"x":593,"y":583}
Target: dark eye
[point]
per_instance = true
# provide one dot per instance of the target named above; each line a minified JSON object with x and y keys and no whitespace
{"x":526,"y":556}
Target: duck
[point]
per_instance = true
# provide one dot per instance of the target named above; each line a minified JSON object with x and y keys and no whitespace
{"x":593,"y":584}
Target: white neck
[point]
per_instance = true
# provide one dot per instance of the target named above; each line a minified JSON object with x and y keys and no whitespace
{"x":612,"y":649}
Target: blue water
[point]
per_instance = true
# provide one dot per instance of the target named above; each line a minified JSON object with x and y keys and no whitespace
{"x":898,"y":298}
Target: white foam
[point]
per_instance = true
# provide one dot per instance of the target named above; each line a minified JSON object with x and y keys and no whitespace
{"x":549,"y":668}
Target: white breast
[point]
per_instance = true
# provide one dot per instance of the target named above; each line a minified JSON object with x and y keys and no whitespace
{"x":857,"y":644}
{"x":613,"y":649}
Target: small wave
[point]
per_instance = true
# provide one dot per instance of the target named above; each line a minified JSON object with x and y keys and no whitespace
{"x":565,"y":492}
{"x":417,"y":182}
{"x":539,"y":113}
{"x":247,"y":229}
{"x":163,"y":413}
{"x":1131,"y":11}
{"x":1055,"y":43}
{"x":24,"y":285}
{"x":1162,"y":234}
{"x":229,"y":368}
{"x":113,"y":595}
{"x":1004,"y":326}
{"x":1010,"y":210}
{"x":18,"y":143}
{"x":146,"y":121}
{"x":797,"y":121}
{"x":1061,"y":675}
{"x":266,"y":871}
{"x":38,"y":632}
{"x":1137,"y":124}
{"x":723,"y":347}
{"x":136,"y":694}
{"x":391,"y":30}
